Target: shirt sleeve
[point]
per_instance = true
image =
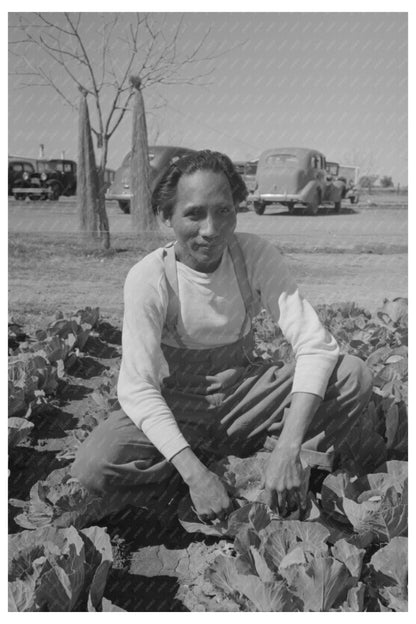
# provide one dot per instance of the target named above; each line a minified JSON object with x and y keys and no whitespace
{"x":142,"y":360}
{"x":316,"y":350}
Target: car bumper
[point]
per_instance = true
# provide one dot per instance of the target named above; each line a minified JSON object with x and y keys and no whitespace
{"x":276,"y":197}
{"x":118,"y":196}
{"x":30,"y":190}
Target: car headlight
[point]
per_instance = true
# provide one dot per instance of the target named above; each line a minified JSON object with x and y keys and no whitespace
{"x":25,"y":175}
{"x":43,"y":176}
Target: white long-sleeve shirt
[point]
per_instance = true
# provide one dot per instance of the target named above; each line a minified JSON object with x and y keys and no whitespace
{"x":212,"y":313}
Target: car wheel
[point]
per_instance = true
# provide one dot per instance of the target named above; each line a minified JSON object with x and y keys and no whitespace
{"x":312,"y":209}
{"x":291,"y":209}
{"x":124,"y":206}
{"x":337,"y":206}
{"x":259,"y":207}
{"x":55,"y":191}
{"x":19,"y":197}
{"x":313,"y":206}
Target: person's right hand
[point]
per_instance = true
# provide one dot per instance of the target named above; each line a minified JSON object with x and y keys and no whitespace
{"x":207,"y":491}
{"x":210,"y":497}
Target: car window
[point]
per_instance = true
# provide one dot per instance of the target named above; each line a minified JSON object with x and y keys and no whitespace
{"x":28,"y":167}
{"x":17,"y":167}
{"x":281,"y":160}
{"x":68,"y":168}
{"x":315,"y":162}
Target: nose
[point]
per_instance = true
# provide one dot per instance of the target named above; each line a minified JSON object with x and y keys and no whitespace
{"x":209,"y":227}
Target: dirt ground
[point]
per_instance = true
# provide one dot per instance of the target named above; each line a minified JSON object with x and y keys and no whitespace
{"x":359,"y":255}
{"x":68,"y":281}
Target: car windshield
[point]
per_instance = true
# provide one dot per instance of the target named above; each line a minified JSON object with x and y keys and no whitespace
{"x":281,"y":160}
{"x":250,"y":168}
{"x":239,"y":167}
{"x":42,"y":166}
{"x":332,"y":168}
{"x":55,"y":164}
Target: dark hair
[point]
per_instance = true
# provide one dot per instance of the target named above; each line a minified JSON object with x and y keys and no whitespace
{"x":164,"y":193}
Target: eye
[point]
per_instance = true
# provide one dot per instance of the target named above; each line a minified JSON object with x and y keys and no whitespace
{"x":226,"y":209}
{"x":194,"y":213}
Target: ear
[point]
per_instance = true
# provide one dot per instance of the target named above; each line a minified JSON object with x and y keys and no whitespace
{"x":165,"y":220}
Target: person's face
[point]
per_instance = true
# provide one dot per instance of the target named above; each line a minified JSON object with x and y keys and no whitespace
{"x":203,"y":219}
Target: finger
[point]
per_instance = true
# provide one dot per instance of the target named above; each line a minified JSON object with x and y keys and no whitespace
{"x":303,"y":505}
{"x":270,"y":498}
{"x":223,"y":514}
{"x":282,"y":503}
{"x":207,"y":518}
{"x":293,"y":500}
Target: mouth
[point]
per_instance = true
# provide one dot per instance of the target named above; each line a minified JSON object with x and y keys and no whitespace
{"x":209,"y":246}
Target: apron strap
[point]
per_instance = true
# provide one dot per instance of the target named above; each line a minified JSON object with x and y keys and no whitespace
{"x":174,"y":306}
{"x":240,"y":270}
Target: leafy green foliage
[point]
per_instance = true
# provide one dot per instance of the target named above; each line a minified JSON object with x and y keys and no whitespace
{"x":375,"y":504}
{"x":59,"y":501}
{"x":58,"y":569}
{"x":348,"y":553}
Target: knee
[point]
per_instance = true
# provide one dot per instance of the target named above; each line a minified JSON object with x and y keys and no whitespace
{"x":356,"y":377}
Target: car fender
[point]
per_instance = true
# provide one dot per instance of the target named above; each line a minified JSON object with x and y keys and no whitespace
{"x":308,"y":193}
{"x":54,"y":181}
{"x":337,"y":191}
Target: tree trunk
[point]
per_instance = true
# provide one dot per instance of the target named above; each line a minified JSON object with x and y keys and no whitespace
{"x":86,"y":174}
{"x":101,"y":209}
{"x":90,"y":182}
{"x":140,"y":205}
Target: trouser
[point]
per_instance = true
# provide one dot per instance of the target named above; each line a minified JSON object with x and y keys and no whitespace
{"x":119,"y":462}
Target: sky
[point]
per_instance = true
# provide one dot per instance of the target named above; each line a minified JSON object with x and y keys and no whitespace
{"x":336,"y":82}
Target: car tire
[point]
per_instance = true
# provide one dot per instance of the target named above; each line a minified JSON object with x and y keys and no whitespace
{"x":34,"y":197}
{"x":124,"y":206}
{"x":259,"y":207}
{"x":337,"y":206}
{"x":313,"y":206}
{"x":291,"y":209}
{"x":55,"y":191}
{"x":19,"y":197}
{"x":312,"y":209}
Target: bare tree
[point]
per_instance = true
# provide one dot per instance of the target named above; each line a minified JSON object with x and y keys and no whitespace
{"x":140,"y":204}
{"x":57,"y":50}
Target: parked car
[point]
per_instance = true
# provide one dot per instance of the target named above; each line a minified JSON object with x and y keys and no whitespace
{"x":58,"y":177}
{"x":239,"y":166}
{"x":249,"y":175}
{"x":24,"y":181}
{"x":109,"y":175}
{"x":160,"y":157}
{"x":341,"y":172}
{"x":294,"y":177}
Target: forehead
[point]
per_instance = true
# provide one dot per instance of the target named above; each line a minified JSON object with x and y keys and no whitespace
{"x":203,"y":185}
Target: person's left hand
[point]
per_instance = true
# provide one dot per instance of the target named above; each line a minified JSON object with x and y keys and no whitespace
{"x":282,"y":481}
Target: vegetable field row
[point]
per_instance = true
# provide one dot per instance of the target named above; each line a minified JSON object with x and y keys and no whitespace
{"x":66,"y":553}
